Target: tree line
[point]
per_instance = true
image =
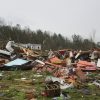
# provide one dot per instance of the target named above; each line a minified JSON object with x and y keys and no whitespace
{"x":48,"y":41}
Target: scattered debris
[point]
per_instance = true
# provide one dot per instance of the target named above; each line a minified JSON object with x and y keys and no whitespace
{"x":50,"y":75}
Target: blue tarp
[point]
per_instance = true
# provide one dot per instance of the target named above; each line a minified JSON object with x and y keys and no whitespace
{"x":17,"y":62}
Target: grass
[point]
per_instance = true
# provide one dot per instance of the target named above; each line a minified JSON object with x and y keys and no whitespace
{"x":13,"y":87}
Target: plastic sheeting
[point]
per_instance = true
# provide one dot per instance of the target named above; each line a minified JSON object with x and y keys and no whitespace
{"x":5,"y":52}
{"x":17,"y":62}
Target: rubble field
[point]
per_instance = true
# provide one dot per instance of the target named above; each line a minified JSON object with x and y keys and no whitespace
{"x":26,"y":74}
{"x":29,"y":85}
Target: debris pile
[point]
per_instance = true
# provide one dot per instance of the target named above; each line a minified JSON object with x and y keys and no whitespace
{"x":64,"y":69}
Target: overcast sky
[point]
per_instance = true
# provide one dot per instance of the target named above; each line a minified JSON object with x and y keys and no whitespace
{"x":61,"y":16}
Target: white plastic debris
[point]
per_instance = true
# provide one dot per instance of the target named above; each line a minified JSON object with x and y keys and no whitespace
{"x":9,"y":46}
{"x":54,"y":79}
{"x":65,"y":86}
{"x":98,"y":63}
{"x":97,"y":83}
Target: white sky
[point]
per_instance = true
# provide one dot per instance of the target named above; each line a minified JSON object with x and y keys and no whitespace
{"x":61,"y":16}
